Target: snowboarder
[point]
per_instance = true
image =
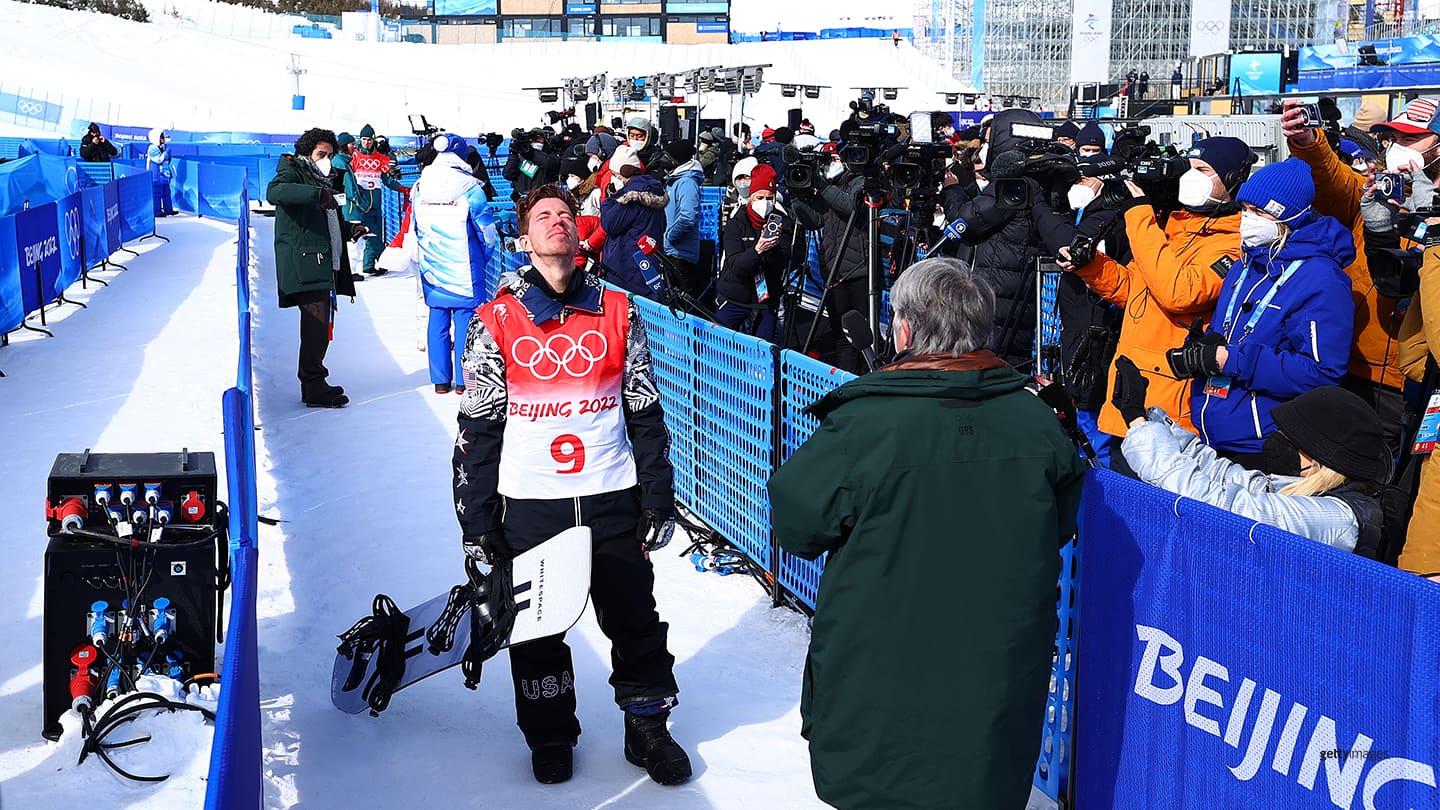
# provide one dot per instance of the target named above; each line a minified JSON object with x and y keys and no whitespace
{"x":560,"y":425}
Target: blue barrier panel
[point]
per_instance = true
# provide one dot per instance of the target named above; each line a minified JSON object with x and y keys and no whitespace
{"x":12,"y":304}
{"x":711,"y":200}
{"x":223,"y":190}
{"x":10,"y":148}
{"x":392,"y":212}
{"x":113,"y":219}
{"x":59,"y":147}
{"x":68,"y":213}
{"x":672,"y":350}
{"x":36,"y":179}
{"x":1052,"y":770}
{"x":37,"y":242}
{"x":92,"y":218}
{"x":732,"y":387}
{"x":137,"y":202}
{"x":1234,"y":664}
{"x":99,"y":173}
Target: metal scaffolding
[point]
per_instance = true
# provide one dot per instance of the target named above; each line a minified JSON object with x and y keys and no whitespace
{"x":1024,"y":45}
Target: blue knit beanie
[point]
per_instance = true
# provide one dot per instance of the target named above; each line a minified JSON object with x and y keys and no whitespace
{"x":1227,"y":156}
{"x":1283,"y":190}
{"x":1090,"y":135}
{"x":344,"y":139}
{"x":367,"y":131}
{"x":450,"y":142}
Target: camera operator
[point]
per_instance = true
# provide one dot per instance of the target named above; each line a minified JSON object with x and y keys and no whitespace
{"x":999,"y":238}
{"x":1381,"y":276}
{"x":530,"y":166}
{"x":1090,"y":141}
{"x":1089,"y":325}
{"x":757,"y":255}
{"x":1176,"y":272}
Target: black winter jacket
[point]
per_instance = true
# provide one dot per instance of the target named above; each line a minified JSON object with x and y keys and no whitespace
{"x":547,"y":169}
{"x":831,"y":210}
{"x":93,"y":151}
{"x":736,"y":282}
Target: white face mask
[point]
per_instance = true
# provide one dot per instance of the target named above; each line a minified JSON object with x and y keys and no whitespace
{"x":762,"y":208}
{"x":539,"y":147}
{"x":638,"y":144}
{"x":594,"y":163}
{"x":323,"y":165}
{"x":983,"y":154}
{"x":1195,"y":188}
{"x":1257,"y":231}
{"x":742,"y":187}
{"x":1397,"y":156}
{"x":617,"y":182}
{"x":833,"y":170}
{"x":1080,"y":195}
{"x":572,"y":181}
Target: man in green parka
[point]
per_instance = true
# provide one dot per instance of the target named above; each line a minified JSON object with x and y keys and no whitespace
{"x":311,"y":260}
{"x":942,"y":490}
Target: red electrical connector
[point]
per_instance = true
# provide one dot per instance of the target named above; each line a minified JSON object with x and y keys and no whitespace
{"x":84,"y":678}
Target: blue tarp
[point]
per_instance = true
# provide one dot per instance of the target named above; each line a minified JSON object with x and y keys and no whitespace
{"x":37,"y":179}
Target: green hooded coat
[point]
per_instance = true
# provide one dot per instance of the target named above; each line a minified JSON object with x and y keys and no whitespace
{"x":302,"y":239}
{"x":942,"y":490}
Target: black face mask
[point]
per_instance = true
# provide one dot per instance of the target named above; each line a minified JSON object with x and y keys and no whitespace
{"x":1279,"y":456}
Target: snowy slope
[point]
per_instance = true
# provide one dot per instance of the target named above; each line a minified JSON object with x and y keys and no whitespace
{"x":363,"y":496}
{"x":165,"y":73}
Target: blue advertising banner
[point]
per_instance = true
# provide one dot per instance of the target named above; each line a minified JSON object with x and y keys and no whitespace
{"x":580,"y":8}
{"x":37,"y":242}
{"x":113,"y":221}
{"x":34,"y":108}
{"x":92,"y":206}
{"x":12,"y":305}
{"x":468,"y":8}
{"x":137,"y":201}
{"x":68,"y":212}
{"x":1258,"y":73}
{"x":712,"y":28}
{"x":1234,"y":665}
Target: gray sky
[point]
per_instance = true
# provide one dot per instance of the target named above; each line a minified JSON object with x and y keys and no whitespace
{"x":812,"y":15}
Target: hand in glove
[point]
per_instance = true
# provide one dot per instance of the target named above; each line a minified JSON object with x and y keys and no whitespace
{"x":327,"y":200}
{"x":1130,"y":389}
{"x":487,"y":548}
{"x":1198,"y":356}
{"x":655,"y":529}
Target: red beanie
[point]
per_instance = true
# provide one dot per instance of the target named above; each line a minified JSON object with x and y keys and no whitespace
{"x":762,"y":179}
{"x":767,"y":134}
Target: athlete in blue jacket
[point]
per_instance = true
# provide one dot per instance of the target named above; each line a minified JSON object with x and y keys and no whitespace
{"x":1285,"y":318}
{"x":455,"y":238}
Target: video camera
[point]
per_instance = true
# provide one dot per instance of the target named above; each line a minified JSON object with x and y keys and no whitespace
{"x":804,"y":169}
{"x":1035,"y":158}
{"x":1157,"y":171}
{"x":866,"y":135}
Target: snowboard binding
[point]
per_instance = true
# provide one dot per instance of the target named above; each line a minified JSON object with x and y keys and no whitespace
{"x":380,"y":636}
{"x":492,"y":617}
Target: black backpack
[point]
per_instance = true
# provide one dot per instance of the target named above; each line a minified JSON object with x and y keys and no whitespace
{"x":1383,"y":514}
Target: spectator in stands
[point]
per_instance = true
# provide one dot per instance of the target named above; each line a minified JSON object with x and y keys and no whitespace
{"x":1420,"y":359}
{"x":1361,"y":158}
{"x":1066,"y":133}
{"x":455,"y":239}
{"x":1176,"y":80}
{"x":157,"y":161}
{"x":1373,"y":371}
{"x":682,"y":217}
{"x":529,"y":165}
{"x":310,"y":256}
{"x":945,"y":435}
{"x":1323,"y":451}
{"x":634,"y":209}
{"x":1090,"y":140}
{"x":1176,"y":272}
{"x":752,"y":271}
{"x":1143,"y":86}
{"x":1284,"y":320}
{"x":95,"y":148}
{"x":368,"y":174}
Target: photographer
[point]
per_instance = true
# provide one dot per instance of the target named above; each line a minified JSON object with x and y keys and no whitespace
{"x":529,"y":165}
{"x":757,"y":254}
{"x":94,"y":148}
{"x":1176,"y":272}
{"x":1379,"y":282}
{"x":835,"y":208}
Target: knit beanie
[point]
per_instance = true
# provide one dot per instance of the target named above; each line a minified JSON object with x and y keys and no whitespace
{"x":1090,"y":135}
{"x":450,"y":142}
{"x":707,"y":137}
{"x":1368,"y":116}
{"x":680,"y":150}
{"x":1284,"y":190}
{"x":602,"y":145}
{"x":767,"y":135}
{"x":1068,"y":130}
{"x":784,"y":135}
{"x":625,"y":156}
{"x":344,"y":139}
{"x":1336,"y":428}
{"x":762,"y":179}
{"x":1227,"y":156}
{"x":744,"y":166}
{"x":367,"y":131}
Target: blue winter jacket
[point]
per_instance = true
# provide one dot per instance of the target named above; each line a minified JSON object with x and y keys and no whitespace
{"x":682,"y":213}
{"x":1301,"y":340}
{"x":636,"y":210}
{"x":157,"y":160}
{"x":455,"y":235}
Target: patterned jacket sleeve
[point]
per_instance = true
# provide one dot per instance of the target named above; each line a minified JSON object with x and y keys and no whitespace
{"x":475,"y":470}
{"x":645,"y":422}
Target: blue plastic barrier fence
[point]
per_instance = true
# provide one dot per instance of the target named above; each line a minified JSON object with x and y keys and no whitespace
{"x":137,"y":201}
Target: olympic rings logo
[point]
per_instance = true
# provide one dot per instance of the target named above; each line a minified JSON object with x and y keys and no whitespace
{"x":30,"y":108}
{"x":575,"y":356}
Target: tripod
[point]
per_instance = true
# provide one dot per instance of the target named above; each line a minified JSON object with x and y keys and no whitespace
{"x":676,"y":297}
{"x":872,"y":197}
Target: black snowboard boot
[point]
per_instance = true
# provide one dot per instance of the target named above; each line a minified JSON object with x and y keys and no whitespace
{"x":553,"y":764}
{"x":649,"y":744}
{"x":320,"y":395}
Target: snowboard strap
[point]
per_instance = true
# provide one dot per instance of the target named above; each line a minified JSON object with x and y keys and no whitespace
{"x":491,"y":619}
{"x":380,"y":635}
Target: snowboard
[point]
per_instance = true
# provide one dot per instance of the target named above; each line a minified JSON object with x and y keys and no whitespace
{"x":551,"y":586}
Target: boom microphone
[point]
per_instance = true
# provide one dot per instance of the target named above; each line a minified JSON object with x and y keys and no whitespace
{"x":857,"y":331}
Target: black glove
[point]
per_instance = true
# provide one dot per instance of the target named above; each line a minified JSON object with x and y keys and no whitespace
{"x":1198,"y":356}
{"x":655,"y":529}
{"x":1130,"y":389}
{"x":488,"y":548}
{"x":327,"y":200}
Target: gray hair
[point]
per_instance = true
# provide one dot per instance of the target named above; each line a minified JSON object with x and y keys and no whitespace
{"x":949,"y":309}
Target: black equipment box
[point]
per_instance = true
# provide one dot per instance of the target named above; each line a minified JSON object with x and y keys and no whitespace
{"x":185,"y":561}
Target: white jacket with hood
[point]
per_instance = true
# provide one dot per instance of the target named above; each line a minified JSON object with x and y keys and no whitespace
{"x":455,"y":234}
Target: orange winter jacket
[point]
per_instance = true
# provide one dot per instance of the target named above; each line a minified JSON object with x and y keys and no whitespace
{"x":1338,"y":189}
{"x":1175,"y":277}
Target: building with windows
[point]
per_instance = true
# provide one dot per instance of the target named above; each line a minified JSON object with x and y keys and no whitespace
{"x":488,"y":21}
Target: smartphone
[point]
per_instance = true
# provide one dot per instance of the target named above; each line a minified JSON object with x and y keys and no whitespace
{"x":1390,"y":186}
{"x":772,"y":226}
{"x":1312,"y":116}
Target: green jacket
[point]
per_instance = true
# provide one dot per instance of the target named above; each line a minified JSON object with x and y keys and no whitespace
{"x":942,"y":490}
{"x":302,"y":239}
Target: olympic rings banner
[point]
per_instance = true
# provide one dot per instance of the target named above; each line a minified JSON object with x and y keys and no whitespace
{"x":33,"y":108}
{"x":1227,"y":664}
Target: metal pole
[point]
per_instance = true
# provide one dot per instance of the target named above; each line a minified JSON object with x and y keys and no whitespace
{"x":949,"y":39}
{"x":873,"y":268}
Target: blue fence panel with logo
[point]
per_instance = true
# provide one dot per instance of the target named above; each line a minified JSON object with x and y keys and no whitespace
{"x":137,"y":201}
{"x":12,"y":303}
{"x":37,"y":238}
{"x":1232,"y":664}
{"x":35,"y":109}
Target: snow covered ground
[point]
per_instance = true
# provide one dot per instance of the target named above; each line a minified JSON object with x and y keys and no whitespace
{"x":364,"y":503}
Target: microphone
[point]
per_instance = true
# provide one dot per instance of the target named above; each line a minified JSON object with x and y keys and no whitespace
{"x":857,"y":331}
{"x":954,"y":230}
{"x":646,"y":258}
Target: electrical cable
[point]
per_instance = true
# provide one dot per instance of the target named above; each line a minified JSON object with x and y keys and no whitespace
{"x":123,"y":711}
